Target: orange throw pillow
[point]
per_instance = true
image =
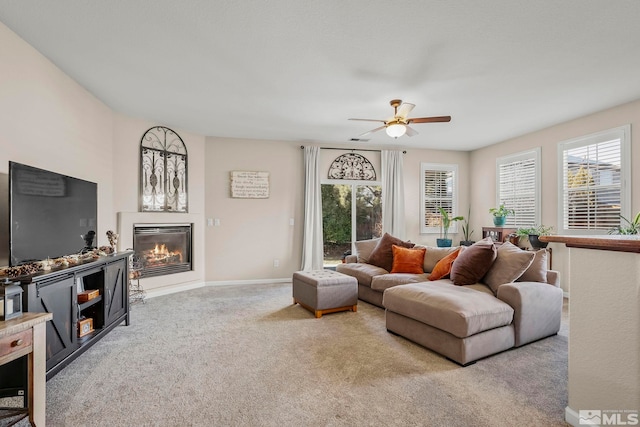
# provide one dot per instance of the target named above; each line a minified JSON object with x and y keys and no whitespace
{"x":443,"y":267}
{"x":407,"y":260}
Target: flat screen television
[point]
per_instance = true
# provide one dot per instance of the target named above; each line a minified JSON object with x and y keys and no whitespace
{"x":50,"y":214}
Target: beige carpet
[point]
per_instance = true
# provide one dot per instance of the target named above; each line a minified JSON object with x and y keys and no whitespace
{"x":245,"y":356}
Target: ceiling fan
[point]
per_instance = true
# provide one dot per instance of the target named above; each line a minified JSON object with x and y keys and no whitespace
{"x":398,"y":125}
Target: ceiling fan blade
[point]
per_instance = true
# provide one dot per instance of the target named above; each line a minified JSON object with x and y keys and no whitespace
{"x":369,"y":120}
{"x":429,"y":119}
{"x":411,"y":131}
{"x":404,"y":110}
{"x":372,"y":131}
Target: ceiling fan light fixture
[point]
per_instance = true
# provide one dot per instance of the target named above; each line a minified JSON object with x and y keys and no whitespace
{"x":396,"y":130}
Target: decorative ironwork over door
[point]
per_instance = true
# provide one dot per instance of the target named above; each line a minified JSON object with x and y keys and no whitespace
{"x":352,"y":166}
{"x":163,"y":171}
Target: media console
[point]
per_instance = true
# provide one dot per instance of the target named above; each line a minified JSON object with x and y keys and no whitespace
{"x":56,"y":292}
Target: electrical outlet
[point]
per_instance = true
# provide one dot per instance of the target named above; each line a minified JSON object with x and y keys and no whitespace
{"x":209,"y":222}
{"x":291,"y":221}
{"x":216,"y":222}
{"x":276,"y":263}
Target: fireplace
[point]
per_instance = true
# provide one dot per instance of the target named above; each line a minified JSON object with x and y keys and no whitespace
{"x":162,"y":249}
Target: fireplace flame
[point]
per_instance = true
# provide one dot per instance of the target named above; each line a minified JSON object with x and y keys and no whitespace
{"x":161,"y":250}
{"x":160,"y":254}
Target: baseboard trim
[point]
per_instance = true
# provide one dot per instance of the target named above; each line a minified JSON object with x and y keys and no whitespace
{"x":172,"y":289}
{"x":247,"y":282}
{"x":571,"y":417}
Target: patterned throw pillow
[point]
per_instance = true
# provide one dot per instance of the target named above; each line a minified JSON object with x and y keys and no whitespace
{"x":407,"y":260}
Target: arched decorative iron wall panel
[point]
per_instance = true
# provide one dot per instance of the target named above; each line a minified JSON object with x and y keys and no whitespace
{"x":163,"y":171}
{"x":352,"y":166}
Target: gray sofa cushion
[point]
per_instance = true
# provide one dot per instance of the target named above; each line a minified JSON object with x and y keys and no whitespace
{"x":458,"y":310}
{"x":363,"y":272}
{"x":385,"y":281}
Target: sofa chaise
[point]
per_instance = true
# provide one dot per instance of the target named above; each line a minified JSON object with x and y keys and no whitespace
{"x":481,"y":300}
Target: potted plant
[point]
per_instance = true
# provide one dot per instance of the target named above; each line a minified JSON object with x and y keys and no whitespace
{"x":631,"y":227}
{"x":466,"y":232}
{"x":500,"y":215}
{"x":446,"y":220}
{"x":533,"y":234}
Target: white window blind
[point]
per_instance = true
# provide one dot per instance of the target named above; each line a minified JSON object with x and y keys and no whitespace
{"x":439,"y":189}
{"x":595,"y":172}
{"x":518,"y":184}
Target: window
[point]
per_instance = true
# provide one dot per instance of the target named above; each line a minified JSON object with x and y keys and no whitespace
{"x":518,"y":187}
{"x":439,"y":188}
{"x":594,"y":181}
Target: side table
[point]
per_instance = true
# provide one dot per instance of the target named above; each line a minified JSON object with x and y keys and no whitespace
{"x":26,"y":335}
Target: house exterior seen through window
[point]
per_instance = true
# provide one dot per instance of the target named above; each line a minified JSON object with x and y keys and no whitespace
{"x":439,"y":188}
{"x":595,"y":177}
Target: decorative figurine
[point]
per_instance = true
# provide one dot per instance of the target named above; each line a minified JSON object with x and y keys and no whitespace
{"x":113,"y":239}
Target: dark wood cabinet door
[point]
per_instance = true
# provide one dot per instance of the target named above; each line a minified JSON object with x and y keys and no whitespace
{"x":115,"y":290}
{"x":59,"y":299}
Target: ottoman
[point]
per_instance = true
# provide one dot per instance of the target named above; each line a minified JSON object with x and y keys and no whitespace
{"x":325,"y":291}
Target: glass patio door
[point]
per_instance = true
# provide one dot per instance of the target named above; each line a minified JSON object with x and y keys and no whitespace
{"x":350,"y":212}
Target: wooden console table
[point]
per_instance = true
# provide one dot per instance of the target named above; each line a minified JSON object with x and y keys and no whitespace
{"x":26,"y":335}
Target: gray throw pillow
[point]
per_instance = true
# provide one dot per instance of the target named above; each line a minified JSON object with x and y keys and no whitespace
{"x":510,"y":263}
{"x":537,"y":271}
{"x":364,"y":249}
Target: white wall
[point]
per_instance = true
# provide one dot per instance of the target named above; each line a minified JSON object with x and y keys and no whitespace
{"x":255,"y":232}
{"x":483,"y":167}
{"x":49,"y":121}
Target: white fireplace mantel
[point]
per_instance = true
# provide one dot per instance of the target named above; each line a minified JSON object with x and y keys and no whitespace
{"x":173,"y":282}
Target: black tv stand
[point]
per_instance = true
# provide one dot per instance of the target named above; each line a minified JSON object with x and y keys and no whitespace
{"x":56,"y":292}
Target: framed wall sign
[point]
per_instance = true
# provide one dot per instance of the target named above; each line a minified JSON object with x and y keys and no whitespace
{"x":249,"y":185}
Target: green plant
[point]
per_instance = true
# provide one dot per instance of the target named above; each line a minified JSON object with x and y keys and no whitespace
{"x":446,"y":222}
{"x":465,"y":227}
{"x":501,"y":211}
{"x":537,"y":230}
{"x":631,"y":227}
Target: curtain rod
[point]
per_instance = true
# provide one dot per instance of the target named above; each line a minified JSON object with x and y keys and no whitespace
{"x":349,"y":149}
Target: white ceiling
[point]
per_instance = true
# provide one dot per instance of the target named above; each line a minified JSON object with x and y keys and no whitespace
{"x":296,"y":70}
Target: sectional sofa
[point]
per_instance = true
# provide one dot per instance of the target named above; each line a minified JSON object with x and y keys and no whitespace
{"x":481,"y":300}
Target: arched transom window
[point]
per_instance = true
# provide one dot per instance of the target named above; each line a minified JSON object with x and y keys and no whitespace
{"x":163,"y":171}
